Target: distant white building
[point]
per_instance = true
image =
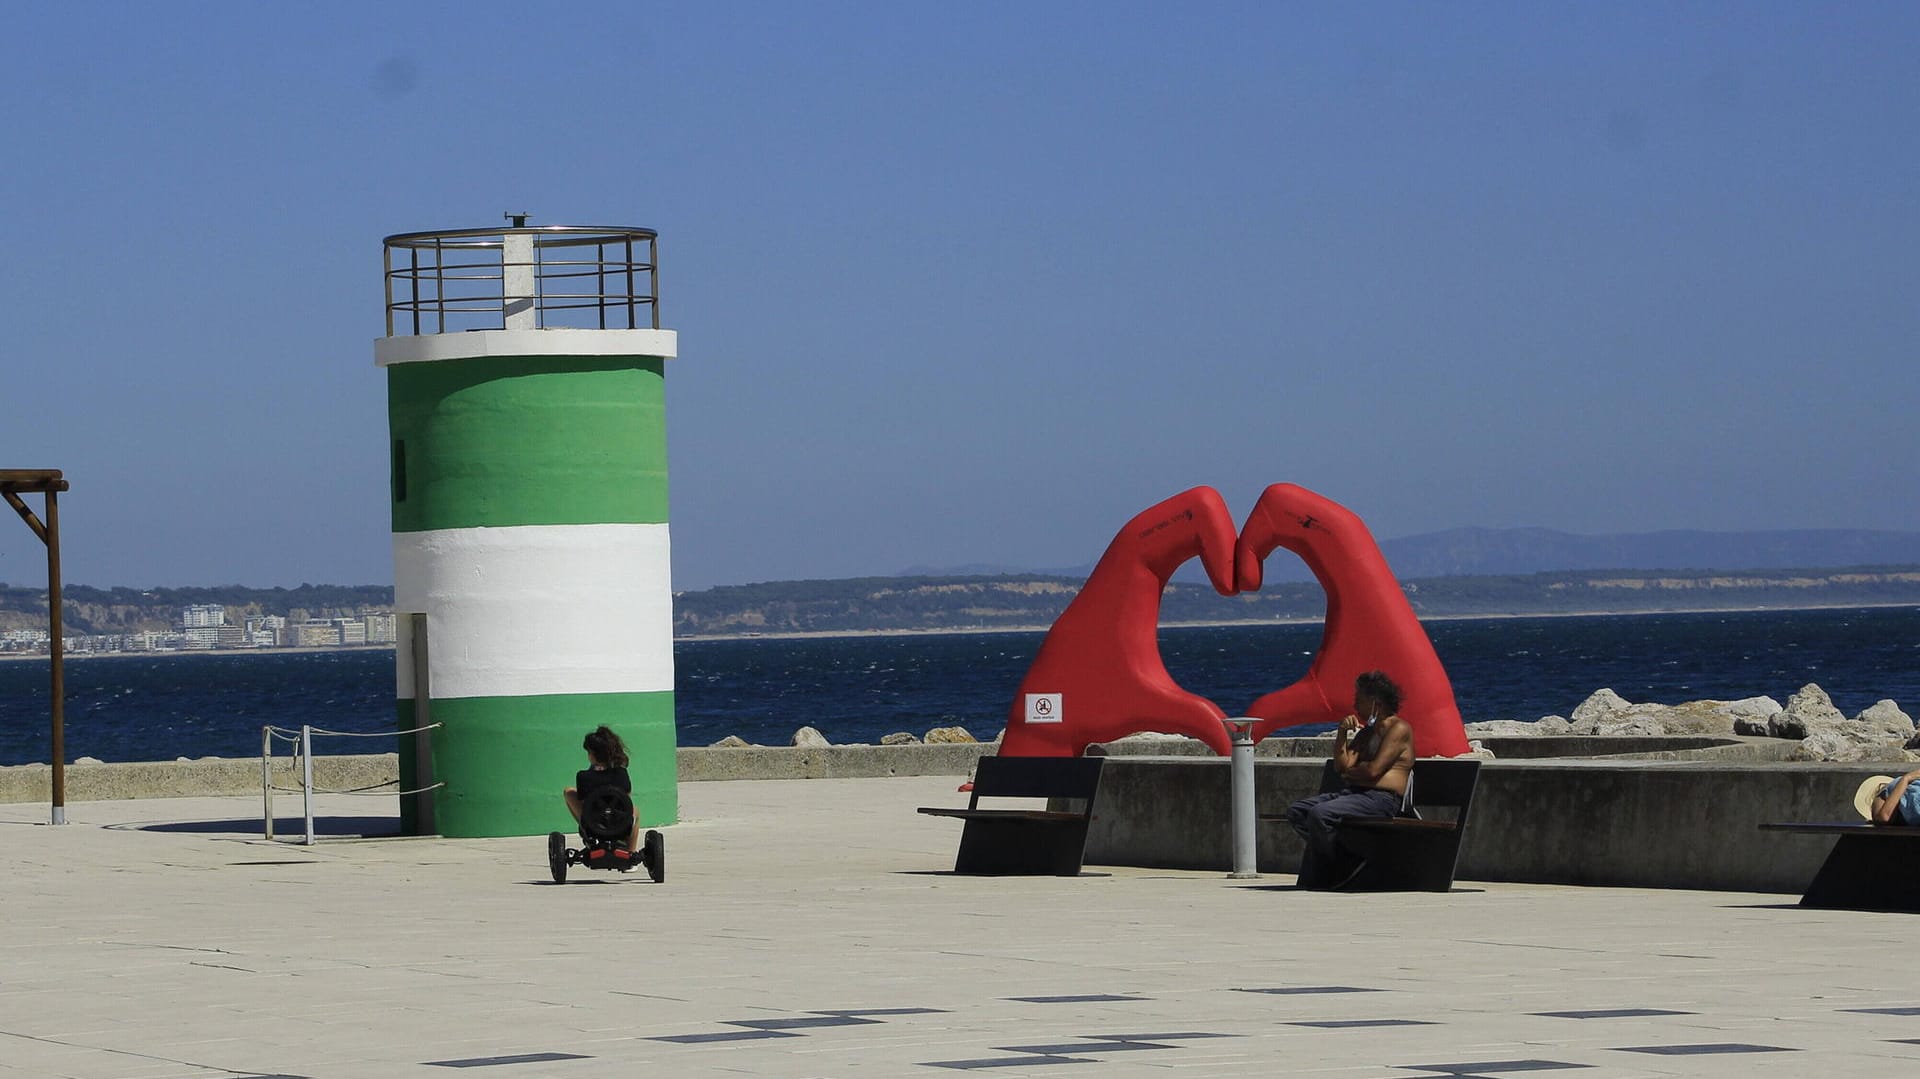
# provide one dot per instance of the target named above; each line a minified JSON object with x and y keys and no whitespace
{"x":203,"y":616}
{"x":266,"y":631}
{"x":380,"y":627}
{"x":313,"y":634}
{"x":23,"y":640}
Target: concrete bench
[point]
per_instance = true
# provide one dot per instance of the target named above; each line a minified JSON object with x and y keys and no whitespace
{"x":1030,"y":841}
{"x":1420,"y":849}
{"x":1872,"y":867}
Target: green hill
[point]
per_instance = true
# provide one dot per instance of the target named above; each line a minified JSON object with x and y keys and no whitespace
{"x":1020,"y":601}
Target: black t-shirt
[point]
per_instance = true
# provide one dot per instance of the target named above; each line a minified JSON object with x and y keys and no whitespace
{"x":592,"y":779}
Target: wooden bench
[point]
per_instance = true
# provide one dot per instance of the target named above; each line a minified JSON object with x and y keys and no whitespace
{"x":1031,"y":841}
{"x":1419,"y":850}
{"x":1872,"y":867}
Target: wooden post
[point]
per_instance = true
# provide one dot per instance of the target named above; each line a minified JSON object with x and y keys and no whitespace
{"x":49,"y":483}
{"x":57,"y":650}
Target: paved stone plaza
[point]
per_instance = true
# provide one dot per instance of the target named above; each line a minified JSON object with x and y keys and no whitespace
{"x":809,"y":928}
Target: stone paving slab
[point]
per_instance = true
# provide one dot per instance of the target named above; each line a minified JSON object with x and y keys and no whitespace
{"x":810,"y":928}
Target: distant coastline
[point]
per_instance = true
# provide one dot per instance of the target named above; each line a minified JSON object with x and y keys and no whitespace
{"x":122,"y":623}
{"x":943,"y":631}
{"x":777,"y":635}
{"x":6,"y":657}
{"x":1024,"y":603}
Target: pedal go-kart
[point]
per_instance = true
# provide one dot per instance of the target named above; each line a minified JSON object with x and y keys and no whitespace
{"x":606,"y":818}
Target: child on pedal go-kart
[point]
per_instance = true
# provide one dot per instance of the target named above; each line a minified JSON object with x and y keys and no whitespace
{"x":601,"y":800}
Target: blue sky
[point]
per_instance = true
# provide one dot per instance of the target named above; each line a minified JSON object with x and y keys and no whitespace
{"x":976,"y":283}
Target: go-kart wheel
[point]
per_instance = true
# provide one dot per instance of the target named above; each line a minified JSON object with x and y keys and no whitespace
{"x":557,"y":856}
{"x":653,"y":853}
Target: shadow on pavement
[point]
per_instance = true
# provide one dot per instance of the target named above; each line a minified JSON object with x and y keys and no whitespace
{"x":1455,"y":890}
{"x":283,"y":827}
{"x":1817,"y":910}
{"x":989,"y":876}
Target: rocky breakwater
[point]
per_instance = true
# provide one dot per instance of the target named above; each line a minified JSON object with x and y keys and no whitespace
{"x":809,"y":755}
{"x":1815,"y":729}
{"x":812,"y":738}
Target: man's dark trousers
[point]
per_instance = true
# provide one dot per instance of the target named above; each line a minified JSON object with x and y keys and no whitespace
{"x":1326,"y":863}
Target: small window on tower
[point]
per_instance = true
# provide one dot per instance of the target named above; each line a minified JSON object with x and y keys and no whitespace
{"x":399,"y":470}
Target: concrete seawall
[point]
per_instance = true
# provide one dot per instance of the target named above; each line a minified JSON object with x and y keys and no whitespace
{"x":208,"y":776}
{"x":1633,"y":823}
{"x":91,"y":782}
{"x":1629,"y":819}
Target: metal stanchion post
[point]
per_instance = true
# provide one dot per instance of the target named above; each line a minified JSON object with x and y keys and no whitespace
{"x":266,"y":777}
{"x":306,"y":776}
{"x":1245,"y":857}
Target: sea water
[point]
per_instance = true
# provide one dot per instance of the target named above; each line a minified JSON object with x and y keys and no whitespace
{"x":859,"y":688}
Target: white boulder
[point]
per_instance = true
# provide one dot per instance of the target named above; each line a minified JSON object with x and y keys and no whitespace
{"x":1808,"y":711}
{"x":1886,"y":717}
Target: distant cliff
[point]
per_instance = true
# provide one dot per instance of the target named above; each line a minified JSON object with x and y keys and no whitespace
{"x":1481,"y":551}
{"x":1009,"y":601}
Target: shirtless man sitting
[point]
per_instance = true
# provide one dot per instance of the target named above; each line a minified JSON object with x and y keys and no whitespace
{"x":1373,"y":752}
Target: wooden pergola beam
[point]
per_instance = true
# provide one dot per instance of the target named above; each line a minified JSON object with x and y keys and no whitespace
{"x":31,"y":480}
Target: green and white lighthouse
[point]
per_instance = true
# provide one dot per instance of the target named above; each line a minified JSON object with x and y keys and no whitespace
{"x":525,"y":396}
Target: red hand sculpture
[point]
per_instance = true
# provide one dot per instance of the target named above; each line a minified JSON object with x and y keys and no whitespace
{"x":1370,"y":624}
{"x":1098,"y":675}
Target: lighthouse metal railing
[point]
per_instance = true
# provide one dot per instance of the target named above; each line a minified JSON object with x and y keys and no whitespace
{"x":302,"y":740}
{"x":533,"y":277}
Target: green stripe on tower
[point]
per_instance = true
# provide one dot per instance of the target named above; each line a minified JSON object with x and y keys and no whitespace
{"x":512,"y":756}
{"x":528,"y":440}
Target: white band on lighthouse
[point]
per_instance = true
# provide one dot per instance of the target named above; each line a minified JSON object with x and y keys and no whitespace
{"x":434,"y":348}
{"x":529,"y":610}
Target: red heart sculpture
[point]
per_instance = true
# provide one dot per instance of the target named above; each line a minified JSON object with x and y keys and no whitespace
{"x":1099,"y":676}
{"x":1370,"y":625}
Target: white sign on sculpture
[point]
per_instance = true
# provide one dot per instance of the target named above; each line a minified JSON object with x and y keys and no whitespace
{"x":1043,"y":708}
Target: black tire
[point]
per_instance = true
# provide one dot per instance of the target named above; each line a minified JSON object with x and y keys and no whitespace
{"x":653,"y":852}
{"x":557,"y":856}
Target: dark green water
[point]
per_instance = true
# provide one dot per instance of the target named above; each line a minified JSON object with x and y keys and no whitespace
{"x":856,"y":689}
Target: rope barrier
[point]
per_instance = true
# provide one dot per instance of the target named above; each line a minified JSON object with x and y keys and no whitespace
{"x":375,"y":734}
{"x":374,"y":788}
{"x":291,"y":735}
{"x":303,"y":759}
